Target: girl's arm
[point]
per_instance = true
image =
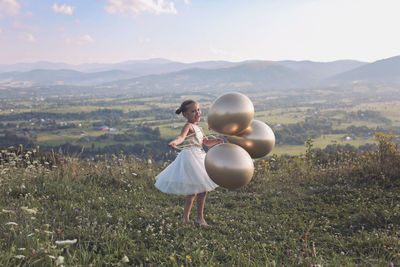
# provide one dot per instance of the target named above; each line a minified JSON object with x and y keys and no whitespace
{"x":181,"y":137}
{"x":211,"y":142}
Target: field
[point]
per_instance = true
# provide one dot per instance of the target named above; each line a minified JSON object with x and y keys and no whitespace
{"x":78,"y":189}
{"x":296,"y":211}
{"x":99,"y":124}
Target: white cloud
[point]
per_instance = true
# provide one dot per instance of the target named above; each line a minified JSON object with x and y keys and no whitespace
{"x":64,"y":9}
{"x":135,"y":7}
{"x":144,"y":40}
{"x":25,"y":28}
{"x":220,"y":52}
{"x":187,"y":2}
{"x":28,"y":37}
{"x":79,"y":40}
{"x":9,"y":7}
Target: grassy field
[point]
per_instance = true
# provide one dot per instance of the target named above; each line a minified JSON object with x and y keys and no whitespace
{"x":277,"y":109}
{"x":294,"y":212}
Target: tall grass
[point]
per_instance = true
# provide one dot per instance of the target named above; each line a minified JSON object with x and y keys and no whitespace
{"x":340,"y":209}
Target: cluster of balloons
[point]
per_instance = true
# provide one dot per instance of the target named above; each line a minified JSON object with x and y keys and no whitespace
{"x":230,"y":165}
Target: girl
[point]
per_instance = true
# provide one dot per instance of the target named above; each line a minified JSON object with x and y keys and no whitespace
{"x":187,"y":175}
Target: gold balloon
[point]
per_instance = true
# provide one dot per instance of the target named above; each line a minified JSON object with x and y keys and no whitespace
{"x":230,"y":113}
{"x":229,"y":165}
{"x":258,"y":139}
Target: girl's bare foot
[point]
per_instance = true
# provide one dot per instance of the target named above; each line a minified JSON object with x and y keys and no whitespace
{"x":202,"y":222}
{"x":185,"y":220}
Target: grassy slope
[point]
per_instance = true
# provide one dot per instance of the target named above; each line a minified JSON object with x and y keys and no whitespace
{"x":294,"y":212}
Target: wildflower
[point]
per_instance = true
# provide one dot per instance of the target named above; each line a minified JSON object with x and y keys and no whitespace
{"x":172,"y":258}
{"x":188,"y":257}
{"x":12,"y":223}
{"x":125,"y":259}
{"x":76,"y":210}
{"x":28,"y":210}
{"x":19,"y":257}
{"x":66,"y":242}
{"x":21,"y":248}
{"x":51,"y":257}
{"x":7,"y":211}
{"x":60,"y":260}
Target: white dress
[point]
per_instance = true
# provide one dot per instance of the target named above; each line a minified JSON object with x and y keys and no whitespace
{"x":187,"y":175}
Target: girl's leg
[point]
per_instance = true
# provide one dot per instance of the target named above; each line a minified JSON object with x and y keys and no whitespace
{"x":188,"y":207}
{"x":201,"y":198}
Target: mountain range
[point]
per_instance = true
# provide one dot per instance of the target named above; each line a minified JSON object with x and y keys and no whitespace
{"x":165,"y":75}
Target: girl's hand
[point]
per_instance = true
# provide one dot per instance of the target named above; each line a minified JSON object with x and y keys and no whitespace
{"x":172,"y":144}
{"x":220,"y":141}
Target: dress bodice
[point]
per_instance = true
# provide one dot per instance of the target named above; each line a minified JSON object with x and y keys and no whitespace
{"x":196,"y":138}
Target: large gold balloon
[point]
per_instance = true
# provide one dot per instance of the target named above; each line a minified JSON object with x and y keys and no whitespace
{"x":258,"y":139}
{"x":229,"y":166}
{"x":230,"y":113}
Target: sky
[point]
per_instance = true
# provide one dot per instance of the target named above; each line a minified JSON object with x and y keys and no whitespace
{"x":110,"y":31}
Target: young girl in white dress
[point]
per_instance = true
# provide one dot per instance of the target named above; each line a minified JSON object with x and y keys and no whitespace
{"x":187,"y":175}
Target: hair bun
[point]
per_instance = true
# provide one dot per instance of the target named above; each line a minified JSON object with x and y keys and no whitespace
{"x":184,"y":106}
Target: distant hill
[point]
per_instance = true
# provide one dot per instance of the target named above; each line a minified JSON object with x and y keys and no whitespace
{"x":162,"y":75}
{"x":135,"y":67}
{"x":24,"y":67}
{"x":51,"y":77}
{"x":92,"y":74}
{"x":381,"y":71}
{"x":251,"y":76}
{"x":322,"y":70}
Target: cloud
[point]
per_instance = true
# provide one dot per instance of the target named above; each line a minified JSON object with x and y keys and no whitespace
{"x":144,"y":40}
{"x":219,"y":52}
{"x":64,"y":9}
{"x":9,"y":7}
{"x":187,"y":2}
{"x":79,"y":40}
{"x":25,"y":28}
{"x":135,"y":7}
{"x":28,"y":37}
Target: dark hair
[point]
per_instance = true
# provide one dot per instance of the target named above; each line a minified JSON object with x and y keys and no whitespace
{"x":184,"y":106}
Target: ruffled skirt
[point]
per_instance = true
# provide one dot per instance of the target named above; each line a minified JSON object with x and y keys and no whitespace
{"x":186,"y":175}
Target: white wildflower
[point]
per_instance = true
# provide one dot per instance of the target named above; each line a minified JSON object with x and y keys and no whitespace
{"x":125,"y":259}
{"x":66,"y":242}
{"x":51,"y":257}
{"x":21,"y":249}
{"x":12,"y":223}
{"x":19,"y":257}
{"x":60,"y":260}
{"x":28,"y":210}
{"x":7,"y":211}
